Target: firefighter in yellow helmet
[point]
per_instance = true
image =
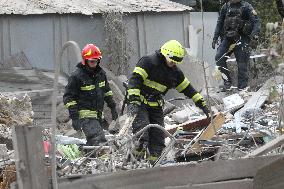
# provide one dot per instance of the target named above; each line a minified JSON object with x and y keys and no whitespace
{"x":152,"y":77}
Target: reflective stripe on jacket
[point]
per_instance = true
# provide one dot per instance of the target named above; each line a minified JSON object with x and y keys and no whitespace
{"x":152,"y":78}
{"x":86,"y":92}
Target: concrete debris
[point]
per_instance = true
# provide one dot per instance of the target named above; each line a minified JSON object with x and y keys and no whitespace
{"x":233,"y":102}
{"x":249,"y":120}
{"x":15,"y":111}
{"x":65,"y":140}
{"x":186,"y":114}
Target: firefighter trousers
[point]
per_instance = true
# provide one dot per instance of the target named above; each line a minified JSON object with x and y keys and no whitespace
{"x":93,"y":131}
{"x":153,"y":137}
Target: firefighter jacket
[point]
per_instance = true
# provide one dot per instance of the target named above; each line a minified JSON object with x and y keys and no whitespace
{"x":86,"y":92}
{"x":237,"y":19}
{"x":152,"y":78}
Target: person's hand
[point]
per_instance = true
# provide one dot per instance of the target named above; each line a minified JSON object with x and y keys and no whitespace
{"x":214,"y":42}
{"x":206,"y":111}
{"x":253,"y":42}
{"x":202,"y":105}
{"x":76,"y":124}
{"x":132,"y":109}
{"x":114,"y":114}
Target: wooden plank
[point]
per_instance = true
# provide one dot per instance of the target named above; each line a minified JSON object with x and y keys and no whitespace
{"x":31,"y":172}
{"x":209,"y":132}
{"x":232,"y":184}
{"x":179,"y":175}
{"x":270,"y":176}
{"x":267,"y":147}
{"x":191,"y":125}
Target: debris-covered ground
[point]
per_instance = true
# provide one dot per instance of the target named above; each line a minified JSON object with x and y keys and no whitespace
{"x":243,"y":121}
{"x":251,"y":119}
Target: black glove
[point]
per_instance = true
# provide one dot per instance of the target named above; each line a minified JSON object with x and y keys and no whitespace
{"x":76,"y":124}
{"x":205,"y":111}
{"x":214,"y":42}
{"x":202,"y":105}
{"x":253,"y":42}
{"x":114,"y":114}
{"x":132,"y":109}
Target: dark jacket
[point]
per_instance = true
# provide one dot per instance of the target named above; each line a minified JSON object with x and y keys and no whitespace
{"x":152,"y":78}
{"x":280,"y":7}
{"x":248,"y":16}
{"x":86,"y":92}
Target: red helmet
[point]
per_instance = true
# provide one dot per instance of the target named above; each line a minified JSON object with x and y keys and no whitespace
{"x":90,"y":51}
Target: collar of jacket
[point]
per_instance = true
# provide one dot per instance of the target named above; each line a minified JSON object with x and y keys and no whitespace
{"x":234,"y":4}
{"x":89,"y":71}
{"x":163,"y":59}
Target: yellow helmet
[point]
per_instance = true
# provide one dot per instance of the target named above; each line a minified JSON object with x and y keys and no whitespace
{"x":174,"y":51}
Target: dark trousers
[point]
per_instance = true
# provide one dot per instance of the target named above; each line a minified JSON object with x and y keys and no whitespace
{"x":153,"y":136}
{"x":93,"y":131}
{"x":242,"y":54}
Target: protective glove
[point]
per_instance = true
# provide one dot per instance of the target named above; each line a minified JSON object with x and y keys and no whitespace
{"x":202,"y":105}
{"x":253,"y":42}
{"x":205,"y":111}
{"x":114,"y":114}
{"x":214,"y":42}
{"x":132,"y":109}
{"x":76,"y":124}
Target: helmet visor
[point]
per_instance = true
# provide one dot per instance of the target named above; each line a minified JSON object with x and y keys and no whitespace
{"x":176,"y":59}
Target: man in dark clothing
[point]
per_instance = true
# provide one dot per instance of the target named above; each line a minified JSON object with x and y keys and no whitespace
{"x":238,"y":24}
{"x":152,"y":77}
{"x":280,"y":7}
{"x":85,"y":93}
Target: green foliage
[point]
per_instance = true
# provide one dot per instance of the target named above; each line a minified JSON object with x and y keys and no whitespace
{"x":209,"y":5}
{"x":267,"y":12}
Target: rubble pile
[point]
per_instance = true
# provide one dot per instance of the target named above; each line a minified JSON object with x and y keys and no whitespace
{"x":13,"y":112}
{"x":241,"y":124}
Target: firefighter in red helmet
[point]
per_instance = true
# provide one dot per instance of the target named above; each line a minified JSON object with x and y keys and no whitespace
{"x":85,"y":94}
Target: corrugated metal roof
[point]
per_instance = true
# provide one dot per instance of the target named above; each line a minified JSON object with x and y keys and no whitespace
{"x":87,"y":7}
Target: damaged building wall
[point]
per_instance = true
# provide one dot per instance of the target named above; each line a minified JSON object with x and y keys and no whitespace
{"x":23,"y":33}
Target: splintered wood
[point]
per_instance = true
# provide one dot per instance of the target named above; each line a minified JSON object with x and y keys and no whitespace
{"x":209,"y":132}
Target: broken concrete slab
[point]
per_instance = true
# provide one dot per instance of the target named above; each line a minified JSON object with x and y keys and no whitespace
{"x":256,"y":101}
{"x":233,"y":102}
{"x":270,"y":176}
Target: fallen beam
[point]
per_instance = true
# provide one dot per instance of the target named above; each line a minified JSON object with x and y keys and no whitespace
{"x":180,"y":175}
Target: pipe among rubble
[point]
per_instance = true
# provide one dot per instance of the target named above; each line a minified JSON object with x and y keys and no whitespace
{"x":58,"y":62}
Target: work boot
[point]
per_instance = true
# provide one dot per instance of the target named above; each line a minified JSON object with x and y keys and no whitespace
{"x":139,"y":153}
{"x":96,"y":142}
{"x":152,"y":159}
{"x":227,"y":85}
{"x":242,"y":87}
